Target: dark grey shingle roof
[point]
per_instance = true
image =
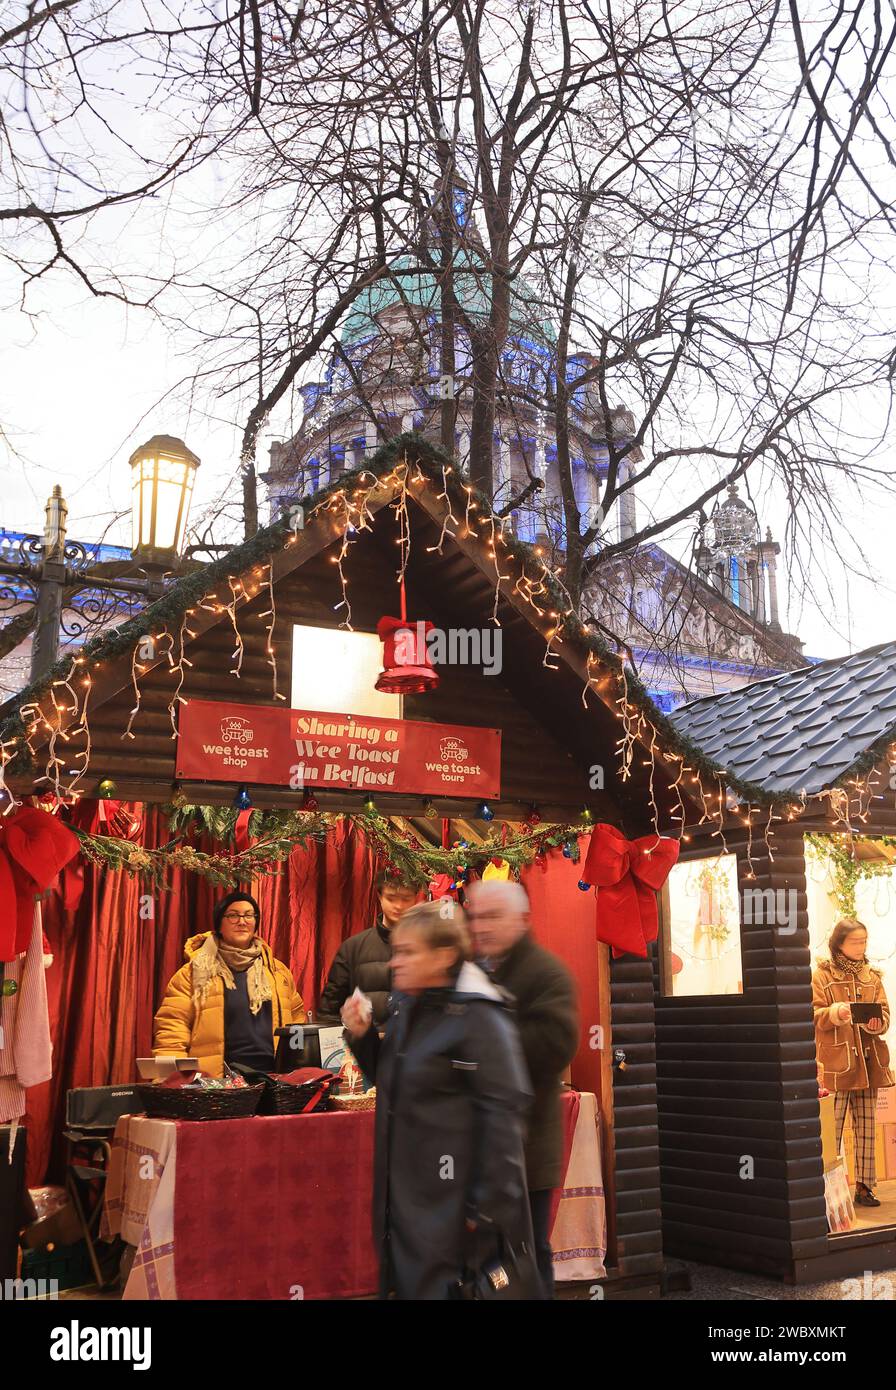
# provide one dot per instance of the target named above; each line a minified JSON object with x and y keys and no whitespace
{"x":801,"y":730}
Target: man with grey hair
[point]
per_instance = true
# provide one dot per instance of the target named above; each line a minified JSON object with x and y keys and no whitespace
{"x":544,"y":996}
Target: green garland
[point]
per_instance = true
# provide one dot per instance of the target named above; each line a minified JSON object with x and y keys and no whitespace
{"x":431,"y":461}
{"x":846,"y":870}
{"x":275,"y":834}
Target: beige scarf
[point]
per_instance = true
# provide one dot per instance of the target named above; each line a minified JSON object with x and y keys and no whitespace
{"x":216,"y":959}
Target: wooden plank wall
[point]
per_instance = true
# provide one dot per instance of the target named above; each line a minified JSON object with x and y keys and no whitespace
{"x":638,"y":1246}
{"x":736,"y":1080}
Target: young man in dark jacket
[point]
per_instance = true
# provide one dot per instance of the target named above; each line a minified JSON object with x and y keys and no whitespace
{"x":545,"y":1010}
{"x":363,"y":961}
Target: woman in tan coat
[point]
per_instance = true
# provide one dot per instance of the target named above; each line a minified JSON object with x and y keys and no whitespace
{"x":226,"y":1002}
{"x":854,"y":1059}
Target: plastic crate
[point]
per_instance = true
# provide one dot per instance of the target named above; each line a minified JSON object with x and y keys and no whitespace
{"x":69,"y":1265}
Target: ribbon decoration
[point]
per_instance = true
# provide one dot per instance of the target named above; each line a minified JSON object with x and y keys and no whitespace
{"x":34,"y":846}
{"x":443,"y":886}
{"x":627,"y":875}
{"x":96,"y":817}
{"x":241,"y":831}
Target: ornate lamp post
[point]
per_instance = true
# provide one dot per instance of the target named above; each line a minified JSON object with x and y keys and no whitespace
{"x":61,"y":576}
{"x":162,"y":475}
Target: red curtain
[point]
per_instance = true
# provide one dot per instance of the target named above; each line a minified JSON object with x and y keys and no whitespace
{"x":112,"y":958}
{"x":325,"y":894}
{"x":114,"y":955}
{"x":563,"y":921}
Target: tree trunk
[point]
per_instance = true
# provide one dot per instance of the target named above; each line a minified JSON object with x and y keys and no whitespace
{"x":250,"y":499}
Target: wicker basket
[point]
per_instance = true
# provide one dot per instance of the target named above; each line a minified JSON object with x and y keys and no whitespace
{"x":362,"y":1100}
{"x":284,"y":1098}
{"x":195,"y":1103}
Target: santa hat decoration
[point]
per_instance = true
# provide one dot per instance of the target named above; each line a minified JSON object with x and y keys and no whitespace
{"x":407,"y":669}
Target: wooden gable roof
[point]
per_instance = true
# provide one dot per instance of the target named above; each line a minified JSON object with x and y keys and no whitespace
{"x":565,"y":702}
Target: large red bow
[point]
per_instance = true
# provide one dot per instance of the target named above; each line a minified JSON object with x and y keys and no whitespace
{"x":627,"y":874}
{"x":34,"y":846}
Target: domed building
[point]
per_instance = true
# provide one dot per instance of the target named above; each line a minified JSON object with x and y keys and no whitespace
{"x":689,"y":634}
{"x":386,"y":378}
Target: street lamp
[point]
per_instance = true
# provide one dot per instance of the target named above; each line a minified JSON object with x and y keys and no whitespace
{"x":64,"y":577}
{"x":163,"y":471}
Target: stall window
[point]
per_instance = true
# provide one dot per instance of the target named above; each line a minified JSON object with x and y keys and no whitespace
{"x":335,"y":671}
{"x":701,"y":928}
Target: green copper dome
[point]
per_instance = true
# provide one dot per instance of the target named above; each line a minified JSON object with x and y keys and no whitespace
{"x":420,"y":290}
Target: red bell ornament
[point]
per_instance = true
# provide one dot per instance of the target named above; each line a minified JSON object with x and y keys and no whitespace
{"x":407,"y":669}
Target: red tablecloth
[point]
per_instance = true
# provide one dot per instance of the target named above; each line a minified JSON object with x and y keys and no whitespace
{"x":242,"y":1183}
{"x":279,"y":1208}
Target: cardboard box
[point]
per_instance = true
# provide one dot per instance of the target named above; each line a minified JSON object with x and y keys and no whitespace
{"x":886,"y":1106}
{"x":889,"y":1132}
{"x":829,"y":1155}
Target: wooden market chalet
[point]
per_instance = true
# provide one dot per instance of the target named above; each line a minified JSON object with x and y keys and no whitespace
{"x":680,"y":1090}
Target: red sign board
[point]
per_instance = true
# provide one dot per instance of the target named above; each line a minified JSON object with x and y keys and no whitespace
{"x":306,"y":748}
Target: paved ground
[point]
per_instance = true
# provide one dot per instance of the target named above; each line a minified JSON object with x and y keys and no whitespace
{"x":709,"y":1283}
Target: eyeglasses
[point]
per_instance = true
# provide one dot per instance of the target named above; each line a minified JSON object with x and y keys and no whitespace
{"x":239,"y":916}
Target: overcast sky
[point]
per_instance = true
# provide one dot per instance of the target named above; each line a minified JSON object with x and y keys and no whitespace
{"x":84,"y":381}
{"x":82,"y":388}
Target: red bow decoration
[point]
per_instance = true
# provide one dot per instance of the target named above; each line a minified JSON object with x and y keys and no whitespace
{"x":627,"y":874}
{"x":34,"y":846}
{"x":443,"y":886}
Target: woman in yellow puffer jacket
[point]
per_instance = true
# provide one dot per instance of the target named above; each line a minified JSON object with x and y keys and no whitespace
{"x":226,"y":1002}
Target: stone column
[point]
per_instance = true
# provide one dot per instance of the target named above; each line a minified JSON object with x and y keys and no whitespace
{"x":628,"y":518}
{"x":502,"y":468}
{"x":772,"y":592}
{"x":541,"y":465}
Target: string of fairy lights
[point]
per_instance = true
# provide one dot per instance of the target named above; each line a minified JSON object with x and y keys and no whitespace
{"x":59,"y":717}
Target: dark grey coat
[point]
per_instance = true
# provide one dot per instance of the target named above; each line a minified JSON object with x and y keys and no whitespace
{"x":544,"y":997}
{"x":452,"y":1098}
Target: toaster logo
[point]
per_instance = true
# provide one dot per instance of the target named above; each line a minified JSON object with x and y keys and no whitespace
{"x":237,"y":748}
{"x":452,"y":750}
{"x":236,"y":730}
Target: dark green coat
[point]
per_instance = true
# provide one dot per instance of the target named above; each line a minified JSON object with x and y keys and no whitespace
{"x":544,"y":997}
